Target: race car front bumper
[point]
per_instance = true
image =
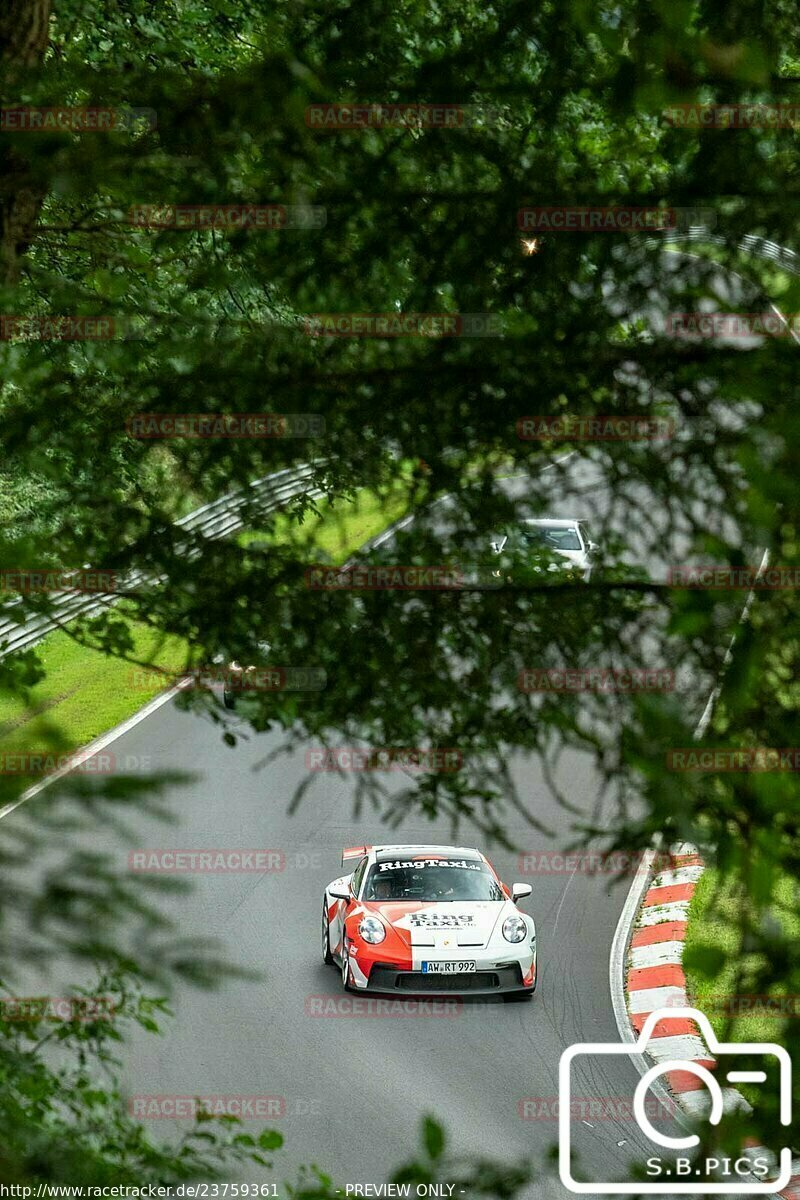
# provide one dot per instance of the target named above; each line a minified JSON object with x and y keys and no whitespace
{"x":489,"y":978}
{"x":507,"y":978}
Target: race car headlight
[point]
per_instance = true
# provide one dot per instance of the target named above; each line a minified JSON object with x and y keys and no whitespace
{"x":372,"y":930}
{"x":514,"y":929}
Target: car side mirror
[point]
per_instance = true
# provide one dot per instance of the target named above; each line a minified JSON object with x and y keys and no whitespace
{"x":592,"y":547}
{"x":520,"y":890}
{"x":341,"y":891}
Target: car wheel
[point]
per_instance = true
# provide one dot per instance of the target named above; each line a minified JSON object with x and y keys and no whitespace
{"x":327,"y":957}
{"x":345,"y":968}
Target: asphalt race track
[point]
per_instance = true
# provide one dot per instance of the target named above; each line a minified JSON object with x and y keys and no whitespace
{"x":354,"y":1088}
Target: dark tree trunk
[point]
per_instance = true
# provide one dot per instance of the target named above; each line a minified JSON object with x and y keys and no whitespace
{"x":24,"y":30}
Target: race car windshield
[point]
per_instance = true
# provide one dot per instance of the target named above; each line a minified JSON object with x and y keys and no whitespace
{"x":441,"y":880}
{"x":555,"y":536}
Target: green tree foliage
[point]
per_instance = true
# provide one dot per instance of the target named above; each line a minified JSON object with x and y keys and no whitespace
{"x":417,"y":220}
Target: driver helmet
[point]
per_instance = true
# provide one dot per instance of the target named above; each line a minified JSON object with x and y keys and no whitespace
{"x":382,"y":888}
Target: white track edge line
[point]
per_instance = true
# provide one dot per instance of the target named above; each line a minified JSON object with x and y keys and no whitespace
{"x":99,"y":743}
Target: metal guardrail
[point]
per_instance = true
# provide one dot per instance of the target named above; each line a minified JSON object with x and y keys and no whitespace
{"x":231,"y":512}
{"x":212,"y":521}
{"x":749,"y":244}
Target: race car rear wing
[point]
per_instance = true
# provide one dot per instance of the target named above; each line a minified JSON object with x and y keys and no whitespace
{"x":351,"y":852}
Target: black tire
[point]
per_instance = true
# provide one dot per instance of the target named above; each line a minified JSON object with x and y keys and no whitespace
{"x":345,"y":985}
{"x":229,"y":700}
{"x":327,"y":957}
{"x":518,"y":997}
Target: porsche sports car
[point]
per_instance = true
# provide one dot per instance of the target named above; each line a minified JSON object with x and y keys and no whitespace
{"x":414,"y":919}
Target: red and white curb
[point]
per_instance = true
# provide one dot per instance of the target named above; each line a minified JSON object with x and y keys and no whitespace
{"x":655,"y":979}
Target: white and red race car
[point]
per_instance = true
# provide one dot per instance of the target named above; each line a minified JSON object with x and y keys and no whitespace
{"x":414,"y":919}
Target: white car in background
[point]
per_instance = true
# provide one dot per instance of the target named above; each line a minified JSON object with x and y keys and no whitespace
{"x":565,"y":537}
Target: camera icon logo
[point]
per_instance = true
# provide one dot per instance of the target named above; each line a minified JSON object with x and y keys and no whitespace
{"x":737,"y":1185}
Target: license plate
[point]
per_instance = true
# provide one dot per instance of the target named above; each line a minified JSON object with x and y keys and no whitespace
{"x":448,"y":968}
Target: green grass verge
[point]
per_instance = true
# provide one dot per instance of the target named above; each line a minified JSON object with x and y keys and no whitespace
{"x":86,"y":692}
{"x":340,"y":528}
{"x":720,"y":988}
{"x":344,"y":526}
